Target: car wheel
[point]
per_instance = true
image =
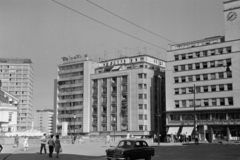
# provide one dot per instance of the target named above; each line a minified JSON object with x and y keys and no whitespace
{"x":148,"y":157}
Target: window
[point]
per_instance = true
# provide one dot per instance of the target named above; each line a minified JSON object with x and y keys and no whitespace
{"x":145,"y":117}
{"x":182,"y":67}
{"x":198,"y":103}
{"x":176,"y":91}
{"x":140,"y":96}
{"x":184,"y":104}
{"x":212,"y":64}
{"x":197,"y":65}
{"x":190,"y":103}
{"x":140,"y":106}
{"x":212,"y":52}
{"x":140,"y":76}
{"x":176,"y":68}
{"x":189,"y":66}
{"x":222,"y":101}
{"x":221,"y":87}
{"x":140,"y":127}
{"x":205,"y":53}
{"x":145,"y":96}
{"x":140,"y":86}
{"x":175,"y":117}
{"x":190,"y":55}
{"x":176,"y":57}
{"x":140,"y":117}
{"x":177,"y":104}
{"x":190,"y":78}
{"x":213,"y":76}
{"x":230,"y":101}
{"x":229,"y":74}
{"x":205,"y":101}
{"x":183,"y":79}
{"x":228,"y":62}
{"x":220,"y":63}
{"x":10,"y":117}
{"x":220,"y":75}
{"x":205,"y":65}
{"x":176,"y":80}
{"x":198,"y":78}
{"x":190,"y":90}
{"x":220,"y":51}
{"x":145,"y":86}
{"x":214,"y":102}
{"x":205,"y":88}
{"x":145,"y":75}
{"x":213,"y":88}
{"x":229,"y":87}
{"x":228,"y":49}
{"x":183,"y":56}
{"x":198,"y":89}
{"x":205,"y":77}
{"x":197,"y":54}
{"x":183,"y":90}
{"x":145,"y":106}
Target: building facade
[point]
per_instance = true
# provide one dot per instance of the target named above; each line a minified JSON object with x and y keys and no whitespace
{"x":72,"y":92}
{"x":17,"y":79}
{"x":43,"y":121}
{"x":8,"y":111}
{"x":203,"y":83}
{"x":123,"y":96}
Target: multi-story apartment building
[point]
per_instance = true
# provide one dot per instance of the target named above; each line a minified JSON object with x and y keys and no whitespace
{"x":204,"y":83}
{"x":17,"y":79}
{"x":43,"y":121}
{"x":124,"y":95}
{"x":8,"y":111}
{"x":72,"y":92}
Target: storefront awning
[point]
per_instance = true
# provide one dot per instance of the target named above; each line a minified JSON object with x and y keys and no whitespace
{"x":115,"y":68}
{"x":173,"y":130}
{"x":187,"y":130}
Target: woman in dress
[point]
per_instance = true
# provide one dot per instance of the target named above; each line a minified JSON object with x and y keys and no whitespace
{"x":58,"y":147}
{"x":25,"y":143}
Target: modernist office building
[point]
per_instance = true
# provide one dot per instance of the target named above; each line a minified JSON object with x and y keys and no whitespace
{"x":43,"y":121}
{"x":17,"y":79}
{"x":124,"y":96}
{"x":72,"y":92}
{"x":203,"y":63}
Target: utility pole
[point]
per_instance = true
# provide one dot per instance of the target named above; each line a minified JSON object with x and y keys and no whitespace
{"x":158,"y":105}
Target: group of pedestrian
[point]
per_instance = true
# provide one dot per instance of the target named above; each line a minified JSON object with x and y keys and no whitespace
{"x":51,"y":145}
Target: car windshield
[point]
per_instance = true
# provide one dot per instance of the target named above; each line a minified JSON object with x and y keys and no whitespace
{"x":125,"y":144}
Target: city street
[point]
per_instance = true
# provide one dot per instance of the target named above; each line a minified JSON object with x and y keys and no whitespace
{"x":96,"y":151}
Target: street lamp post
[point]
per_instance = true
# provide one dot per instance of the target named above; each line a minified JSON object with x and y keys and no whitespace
{"x":114,"y":119}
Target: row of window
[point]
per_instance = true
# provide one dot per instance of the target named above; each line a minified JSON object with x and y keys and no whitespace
{"x":142,"y":75}
{"x":210,"y":88}
{"x":71,"y":96}
{"x":13,"y":66}
{"x":205,"y":116}
{"x":204,"y":53}
{"x":75,"y":66}
{"x":142,"y":117}
{"x":71,"y":104}
{"x":204,"y":102}
{"x":74,"y":74}
{"x":203,"y":77}
{"x":203,"y":65}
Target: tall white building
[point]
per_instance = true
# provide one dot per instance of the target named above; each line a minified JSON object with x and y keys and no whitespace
{"x":43,"y":121}
{"x":202,"y":67}
{"x":72,"y":93}
{"x":17,"y":79}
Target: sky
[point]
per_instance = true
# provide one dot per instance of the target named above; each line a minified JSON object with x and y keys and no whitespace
{"x":44,"y":31}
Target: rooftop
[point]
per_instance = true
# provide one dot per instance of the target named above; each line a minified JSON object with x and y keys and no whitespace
{"x":15,"y":60}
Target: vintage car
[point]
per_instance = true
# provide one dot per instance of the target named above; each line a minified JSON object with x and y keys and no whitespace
{"x":130,"y":149}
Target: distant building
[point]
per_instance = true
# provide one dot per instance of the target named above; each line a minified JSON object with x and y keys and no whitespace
{"x":124,"y":96}
{"x":72,"y":95}
{"x":17,"y":79}
{"x":43,"y":121}
{"x":8,"y":111}
{"x":210,"y":69}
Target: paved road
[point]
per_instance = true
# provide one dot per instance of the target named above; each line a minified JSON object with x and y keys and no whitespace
{"x":96,"y":151}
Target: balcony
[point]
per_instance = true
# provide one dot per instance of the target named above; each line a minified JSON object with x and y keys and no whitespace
{"x":70,"y":70}
{"x":113,"y":122}
{"x":94,"y":122}
{"x":70,"y":93}
{"x":94,"y":112}
{"x":114,"y":102}
{"x":104,"y":93}
{"x":114,"y":84}
{"x":71,"y":108}
{"x":104,"y":112}
{"x":104,"y":103}
{"x":124,"y":122}
{"x":114,"y":93}
{"x":104,"y":121}
{"x":124,"y":101}
{"x":70,"y":85}
{"x":114,"y":111}
{"x":124,"y":82}
{"x":124,"y":92}
{"x":95,"y":85}
{"x":70,"y":78}
{"x":104,"y":84}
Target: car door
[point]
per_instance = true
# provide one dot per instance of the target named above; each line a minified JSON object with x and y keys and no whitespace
{"x":144,"y":150}
{"x":138,"y":150}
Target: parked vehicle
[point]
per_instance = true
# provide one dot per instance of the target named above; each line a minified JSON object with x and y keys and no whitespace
{"x":130,"y":149}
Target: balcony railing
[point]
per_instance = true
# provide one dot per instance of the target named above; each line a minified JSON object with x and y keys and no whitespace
{"x":104,"y":112}
{"x":124,"y":101}
{"x":113,"y":122}
{"x":124,"y":122}
{"x":104,"y":121}
{"x":124,"y":82}
{"x":104,"y":84}
{"x":114,"y":111}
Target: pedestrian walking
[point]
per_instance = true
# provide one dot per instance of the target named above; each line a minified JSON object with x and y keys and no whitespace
{"x":73,"y":139}
{"x":108,"y":139}
{"x":1,"y":148}
{"x":43,"y":144}
{"x":58,"y":147}
{"x":16,"y":141}
{"x":128,"y":135}
{"x":25,"y":144}
{"x":196,"y":138}
{"x":51,"y":146}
